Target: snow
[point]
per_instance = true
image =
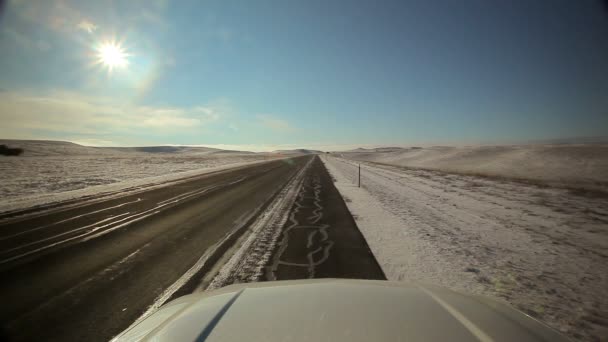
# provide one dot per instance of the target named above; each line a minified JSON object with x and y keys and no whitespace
{"x":582,"y":165}
{"x":37,"y":180}
{"x":541,"y":249}
{"x":251,"y":254}
{"x":45,"y":148}
{"x":248,"y":262}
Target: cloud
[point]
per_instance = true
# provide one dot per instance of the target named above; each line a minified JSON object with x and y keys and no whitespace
{"x":274,"y":123}
{"x":64,"y":113}
{"x":87,"y":26}
{"x":176,"y":117}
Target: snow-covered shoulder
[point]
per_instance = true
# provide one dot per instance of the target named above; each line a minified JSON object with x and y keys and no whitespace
{"x":531,"y":246}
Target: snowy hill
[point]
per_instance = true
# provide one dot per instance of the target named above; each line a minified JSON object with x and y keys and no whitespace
{"x":51,"y":171}
{"x":298,"y":151}
{"x":573,"y":164}
{"x":53,"y":148}
{"x":42,"y":148}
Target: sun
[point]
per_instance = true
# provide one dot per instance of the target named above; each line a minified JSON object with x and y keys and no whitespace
{"x":112,"y":55}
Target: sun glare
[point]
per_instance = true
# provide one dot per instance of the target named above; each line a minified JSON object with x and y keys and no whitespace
{"x":112,"y":55}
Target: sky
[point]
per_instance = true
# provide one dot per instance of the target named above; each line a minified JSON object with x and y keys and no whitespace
{"x":263,"y":75}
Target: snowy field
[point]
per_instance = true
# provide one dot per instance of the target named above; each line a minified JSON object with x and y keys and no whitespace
{"x":581,"y":166}
{"x":57,"y":171}
{"x":544,"y":250}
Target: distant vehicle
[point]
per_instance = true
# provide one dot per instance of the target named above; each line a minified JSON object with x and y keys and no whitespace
{"x":337,"y":310}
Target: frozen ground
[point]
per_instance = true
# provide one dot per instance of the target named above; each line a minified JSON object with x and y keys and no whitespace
{"x":582,"y":165}
{"x":57,"y":171}
{"x":542,"y":249}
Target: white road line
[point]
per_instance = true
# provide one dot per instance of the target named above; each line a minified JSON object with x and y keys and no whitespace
{"x":179,"y":196}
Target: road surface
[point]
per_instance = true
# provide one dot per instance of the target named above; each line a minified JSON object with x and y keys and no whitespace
{"x":88,"y":272}
{"x":321,"y":238}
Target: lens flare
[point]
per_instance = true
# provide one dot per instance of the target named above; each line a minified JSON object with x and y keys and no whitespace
{"x":112,"y":55}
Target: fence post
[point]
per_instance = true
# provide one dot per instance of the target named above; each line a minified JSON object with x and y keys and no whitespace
{"x":359,"y":174}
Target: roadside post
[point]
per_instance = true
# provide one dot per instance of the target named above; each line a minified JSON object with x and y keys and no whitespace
{"x":359,"y":174}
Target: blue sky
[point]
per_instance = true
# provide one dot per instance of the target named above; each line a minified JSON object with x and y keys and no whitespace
{"x":319,"y":74}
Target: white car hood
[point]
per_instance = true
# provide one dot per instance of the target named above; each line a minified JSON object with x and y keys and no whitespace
{"x":337,"y":310}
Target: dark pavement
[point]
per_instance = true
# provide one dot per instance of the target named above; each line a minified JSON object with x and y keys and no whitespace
{"x":321,"y":239}
{"x":86,"y":273}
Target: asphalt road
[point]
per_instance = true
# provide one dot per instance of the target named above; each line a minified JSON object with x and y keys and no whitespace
{"x":321,"y":238}
{"x":85,"y":273}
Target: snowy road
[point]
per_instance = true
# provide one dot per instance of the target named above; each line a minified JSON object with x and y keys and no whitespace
{"x":313,"y":235}
{"x":544,"y":250}
{"x":100,"y":265}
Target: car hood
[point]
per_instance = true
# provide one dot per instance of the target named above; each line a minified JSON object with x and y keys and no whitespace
{"x":337,"y":310}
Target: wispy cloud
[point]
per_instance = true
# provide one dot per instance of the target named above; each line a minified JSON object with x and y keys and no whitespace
{"x":175,"y":117}
{"x":64,"y":113}
{"x":274,"y":123}
{"x":87,"y":26}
